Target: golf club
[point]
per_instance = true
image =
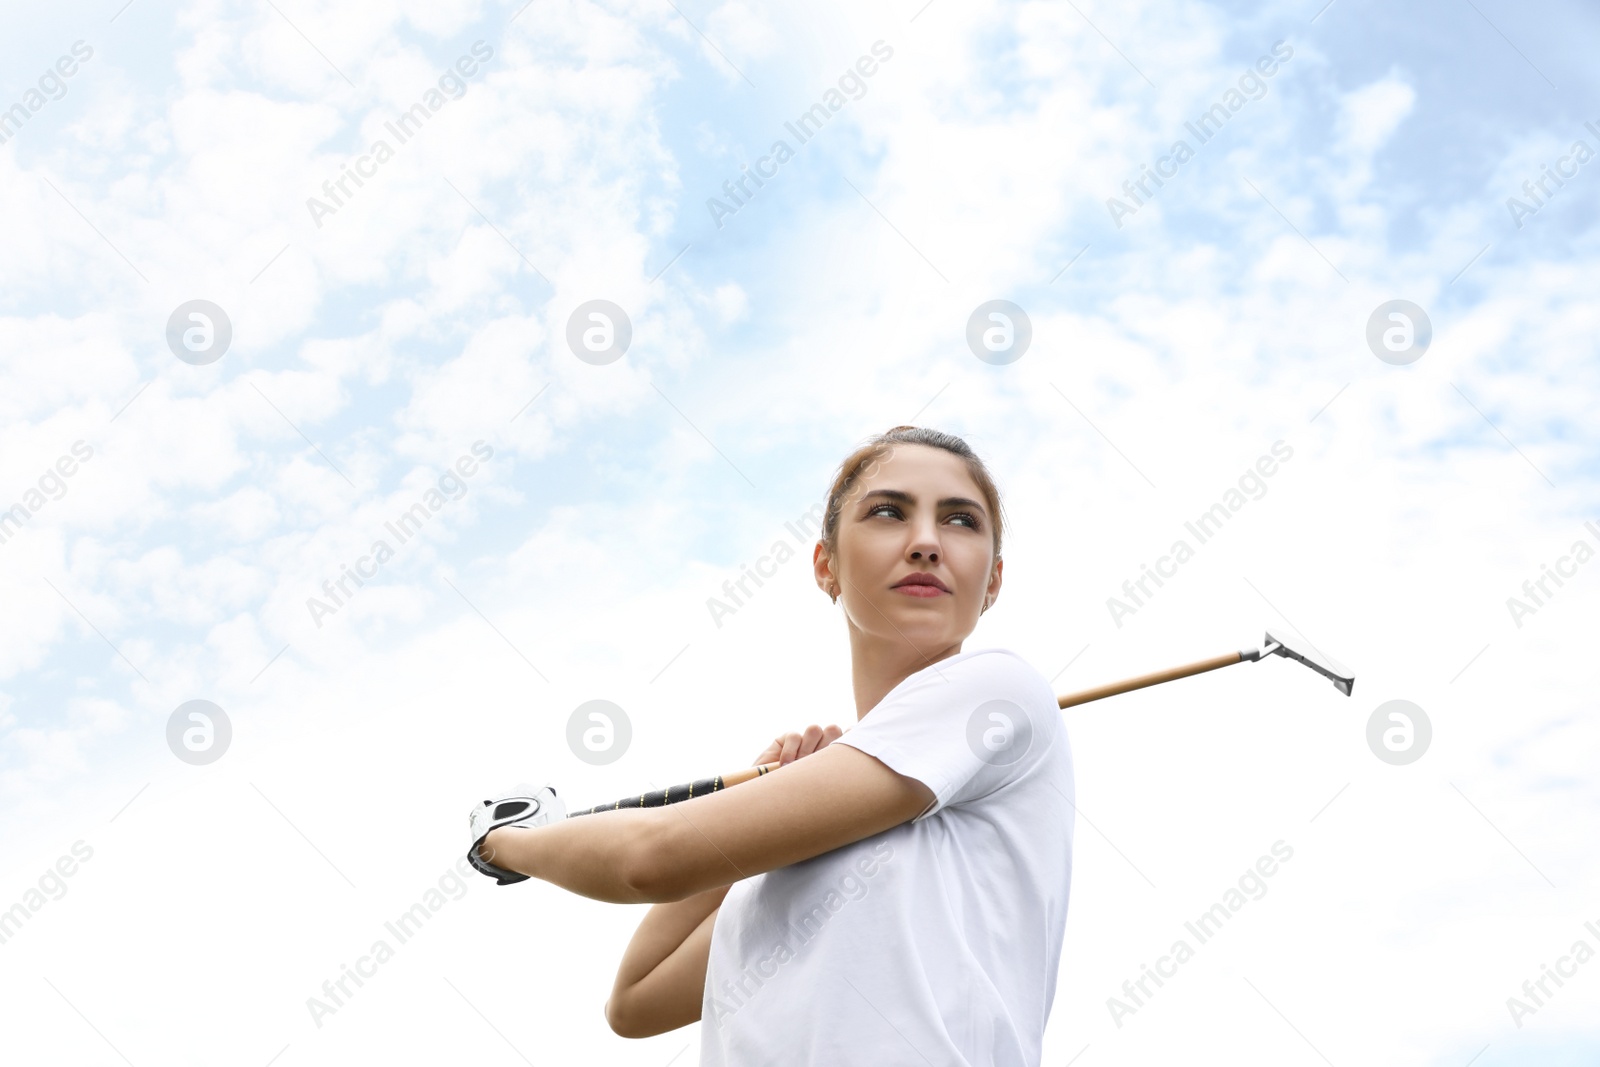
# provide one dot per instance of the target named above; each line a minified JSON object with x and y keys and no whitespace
{"x":1274,"y":644}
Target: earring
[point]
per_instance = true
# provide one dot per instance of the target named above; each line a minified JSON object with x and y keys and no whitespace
{"x":834,"y":592}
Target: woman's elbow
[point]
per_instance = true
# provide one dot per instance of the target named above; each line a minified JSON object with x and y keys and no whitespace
{"x":653,"y":871}
{"x":618,"y":1020}
{"x":632,"y":1020}
{"x":644,"y":872}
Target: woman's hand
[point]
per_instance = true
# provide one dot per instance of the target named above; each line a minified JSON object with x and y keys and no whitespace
{"x":786,"y":748}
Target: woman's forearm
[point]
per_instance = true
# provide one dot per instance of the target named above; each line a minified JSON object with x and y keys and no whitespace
{"x":661,"y":982}
{"x":591,"y":855}
{"x":661,"y":932}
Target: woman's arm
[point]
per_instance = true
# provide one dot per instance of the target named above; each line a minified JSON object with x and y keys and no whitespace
{"x":838,"y":796}
{"x":595,"y":856}
{"x":662,"y":978}
{"x":652,"y":855}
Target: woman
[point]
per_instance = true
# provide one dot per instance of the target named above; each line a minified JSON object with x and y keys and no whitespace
{"x":898,"y":893}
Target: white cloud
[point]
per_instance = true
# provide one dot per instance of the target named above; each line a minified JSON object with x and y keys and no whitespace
{"x":1370,"y":115}
{"x":1174,"y":352}
{"x":744,"y":31}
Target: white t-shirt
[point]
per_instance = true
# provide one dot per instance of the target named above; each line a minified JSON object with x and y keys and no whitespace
{"x":933,"y":942}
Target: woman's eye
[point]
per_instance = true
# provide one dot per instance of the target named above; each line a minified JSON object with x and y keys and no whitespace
{"x":971,"y":519}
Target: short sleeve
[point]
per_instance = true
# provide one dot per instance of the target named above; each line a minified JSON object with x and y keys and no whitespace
{"x":964,"y":727}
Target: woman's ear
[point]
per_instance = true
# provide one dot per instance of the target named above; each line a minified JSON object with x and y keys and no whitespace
{"x":822,"y":567}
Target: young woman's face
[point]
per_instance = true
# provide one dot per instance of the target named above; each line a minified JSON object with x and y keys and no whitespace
{"x":916,"y":511}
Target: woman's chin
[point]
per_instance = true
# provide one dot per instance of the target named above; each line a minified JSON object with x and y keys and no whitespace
{"x":926,"y":628}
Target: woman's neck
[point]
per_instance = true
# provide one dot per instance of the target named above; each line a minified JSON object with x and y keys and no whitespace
{"x":877,"y":666}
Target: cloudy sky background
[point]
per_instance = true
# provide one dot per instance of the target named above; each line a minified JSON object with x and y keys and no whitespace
{"x":430,"y":312}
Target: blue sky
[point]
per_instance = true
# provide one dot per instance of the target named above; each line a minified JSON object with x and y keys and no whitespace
{"x":368,"y":353}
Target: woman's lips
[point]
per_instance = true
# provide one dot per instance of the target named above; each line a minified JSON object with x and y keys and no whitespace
{"x":920,"y":590}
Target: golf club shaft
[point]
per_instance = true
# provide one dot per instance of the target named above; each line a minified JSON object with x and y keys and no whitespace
{"x":1227,"y":659}
{"x":673,"y":794}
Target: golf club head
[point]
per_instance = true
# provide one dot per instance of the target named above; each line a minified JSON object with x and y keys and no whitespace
{"x":1337,"y":672}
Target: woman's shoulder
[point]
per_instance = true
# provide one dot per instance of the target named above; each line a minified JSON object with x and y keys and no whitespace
{"x":999,"y":659}
{"x":1010,"y":693}
{"x":1009,"y":673}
